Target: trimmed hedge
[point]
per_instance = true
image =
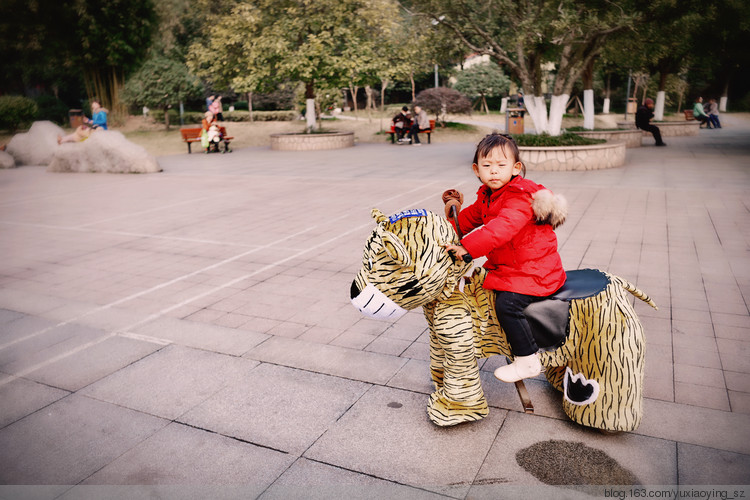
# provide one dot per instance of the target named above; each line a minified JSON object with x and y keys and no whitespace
{"x":191,"y":117}
{"x":261,"y":116}
{"x":545,"y":140}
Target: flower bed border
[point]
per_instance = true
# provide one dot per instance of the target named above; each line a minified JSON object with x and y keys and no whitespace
{"x":312,"y":142}
{"x":564,"y":158}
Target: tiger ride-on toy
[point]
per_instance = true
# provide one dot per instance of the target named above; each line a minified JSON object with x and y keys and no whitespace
{"x":592,"y":343}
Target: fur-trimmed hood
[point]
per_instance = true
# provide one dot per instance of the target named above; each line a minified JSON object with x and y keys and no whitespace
{"x":549,"y":208}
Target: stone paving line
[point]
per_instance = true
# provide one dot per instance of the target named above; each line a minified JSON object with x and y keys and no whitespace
{"x":193,"y":327}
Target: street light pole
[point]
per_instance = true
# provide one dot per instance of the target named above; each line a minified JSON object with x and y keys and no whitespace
{"x":627,"y":96}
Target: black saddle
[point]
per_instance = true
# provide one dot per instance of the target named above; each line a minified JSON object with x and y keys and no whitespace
{"x":549,"y":319}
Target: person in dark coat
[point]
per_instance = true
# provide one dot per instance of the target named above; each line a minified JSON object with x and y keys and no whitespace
{"x":643,"y":118}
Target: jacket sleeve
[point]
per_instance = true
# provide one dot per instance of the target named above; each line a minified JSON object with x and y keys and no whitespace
{"x":514,"y":215}
{"x":470,"y":217}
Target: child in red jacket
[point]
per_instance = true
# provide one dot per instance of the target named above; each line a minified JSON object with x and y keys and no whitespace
{"x":513,"y":221}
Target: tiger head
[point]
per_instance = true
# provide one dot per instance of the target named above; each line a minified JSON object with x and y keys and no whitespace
{"x":404,"y":265}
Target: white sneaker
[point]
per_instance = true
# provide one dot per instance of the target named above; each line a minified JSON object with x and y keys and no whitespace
{"x":522,"y":367}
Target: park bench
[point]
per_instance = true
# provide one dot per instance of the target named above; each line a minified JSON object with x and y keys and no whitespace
{"x":427,"y":131}
{"x":191,"y":135}
{"x":689,"y":114}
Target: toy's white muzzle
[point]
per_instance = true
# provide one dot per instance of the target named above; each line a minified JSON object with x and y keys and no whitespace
{"x":375,"y":304}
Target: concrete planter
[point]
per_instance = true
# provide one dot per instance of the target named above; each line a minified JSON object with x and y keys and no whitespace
{"x":667,"y":129}
{"x":631,"y":138}
{"x":312,"y":142}
{"x":594,"y":157}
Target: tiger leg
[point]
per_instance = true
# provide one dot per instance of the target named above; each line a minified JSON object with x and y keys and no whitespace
{"x":603,"y":383}
{"x":458,"y":396}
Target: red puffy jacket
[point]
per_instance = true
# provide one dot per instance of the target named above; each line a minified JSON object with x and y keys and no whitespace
{"x":521,"y":252}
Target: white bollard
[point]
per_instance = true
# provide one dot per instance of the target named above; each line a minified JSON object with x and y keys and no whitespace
{"x":503,"y":104}
{"x":605,"y":109}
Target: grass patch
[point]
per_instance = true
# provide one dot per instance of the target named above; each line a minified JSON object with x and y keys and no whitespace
{"x":544,"y":140}
{"x":458,"y":127}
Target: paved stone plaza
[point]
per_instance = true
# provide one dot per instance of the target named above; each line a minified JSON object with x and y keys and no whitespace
{"x":193,"y":327}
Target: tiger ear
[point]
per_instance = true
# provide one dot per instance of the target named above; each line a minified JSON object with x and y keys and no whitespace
{"x":379,"y":216}
{"x":396,"y":249}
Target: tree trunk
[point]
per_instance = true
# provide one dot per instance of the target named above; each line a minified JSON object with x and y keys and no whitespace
{"x":370,"y":102}
{"x":383,"y":84}
{"x":354,"y":90}
{"x":588,"y":96}
{"x":250,"y":105}
{"x":556,"y":112}
{"x":537,"y":109}
{"x":413,"y":87}
{"x":659,"y":107}
{"x":310,"y":106}
{"x":166,"y":118}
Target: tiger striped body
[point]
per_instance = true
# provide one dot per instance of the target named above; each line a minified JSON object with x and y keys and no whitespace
{"x":599,"y":367}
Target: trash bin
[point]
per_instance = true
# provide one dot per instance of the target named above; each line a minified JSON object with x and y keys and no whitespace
{"x":632,"y":105}
{"x":76,"y":117}
{"x":514,"y":120}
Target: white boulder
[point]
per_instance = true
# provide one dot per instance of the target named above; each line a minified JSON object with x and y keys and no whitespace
{"x":36,"y":146}
{"x":6,"y":160}
{"x":103,"y":151}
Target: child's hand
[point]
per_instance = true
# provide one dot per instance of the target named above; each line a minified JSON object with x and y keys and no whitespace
{"x":456,"y":252}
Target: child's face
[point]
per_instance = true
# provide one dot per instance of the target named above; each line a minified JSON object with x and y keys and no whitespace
{"x":496,"y":169}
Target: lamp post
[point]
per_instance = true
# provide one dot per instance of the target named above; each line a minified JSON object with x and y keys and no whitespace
{"x":627,"y":96}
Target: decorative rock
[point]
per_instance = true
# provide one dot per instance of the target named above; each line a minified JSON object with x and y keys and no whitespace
{"x":6,"y":160}
{"x":312,"y":142}
{"x":104,"y":151}
{"x":594,"y":157}
{"x":36,"y":146}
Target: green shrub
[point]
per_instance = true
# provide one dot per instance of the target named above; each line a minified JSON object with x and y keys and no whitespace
{"x":16,"y":111}
{"x":545,"y":140}
{"x":53,"y":109}
{"x":240,"y":106}
{"x":192,"y":116}
{"x":158,"y":116}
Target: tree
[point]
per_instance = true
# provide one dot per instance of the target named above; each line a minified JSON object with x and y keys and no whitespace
{"x":48,"y":44}
{"x":114,"y":38}
{"x":481,"y":81}
{"x":522,"y":36}
{"x":264,"y":42}
{"x":441,"y":101}
{"x":160,"y":84}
